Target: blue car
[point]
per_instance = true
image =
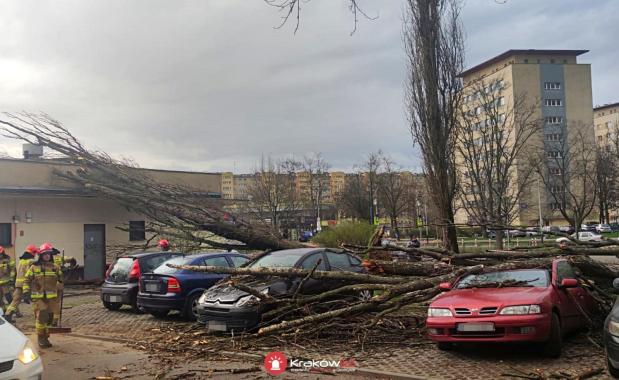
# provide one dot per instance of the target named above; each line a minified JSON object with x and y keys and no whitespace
{"x":167,"y":289}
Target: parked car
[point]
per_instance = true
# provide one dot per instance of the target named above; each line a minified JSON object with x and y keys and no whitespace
{"x":588,"y":226}
{"x":516,"y":233}
{"x":601,"y":228}
{"x":614,"y":227}
{"x":19,"y":358}
{"x":533,"y":231}
{"x":611,"y":337}
{"x":167,"y":289}
{"x":226,"y":308}
{"x":567,"y":229}
{"x":582,"y":236}
{"x":527,"y":305}
{"x":122,"y":278}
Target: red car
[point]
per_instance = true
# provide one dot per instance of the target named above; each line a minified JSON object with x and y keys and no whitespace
{"x":526,"y":305}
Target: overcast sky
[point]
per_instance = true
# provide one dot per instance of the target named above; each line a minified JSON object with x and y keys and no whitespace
{"x":211,"y":85}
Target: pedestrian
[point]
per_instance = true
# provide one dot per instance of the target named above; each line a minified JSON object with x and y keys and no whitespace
{"x":164,"y":245}
{"x":25,"y":260}
{"x":7,"y":274}
{"x":42,"y":281}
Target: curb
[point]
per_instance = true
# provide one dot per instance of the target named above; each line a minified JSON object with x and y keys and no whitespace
{"x":389,"y":375}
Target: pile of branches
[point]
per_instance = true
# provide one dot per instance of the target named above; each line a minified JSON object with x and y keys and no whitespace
{"x":395,"y":289}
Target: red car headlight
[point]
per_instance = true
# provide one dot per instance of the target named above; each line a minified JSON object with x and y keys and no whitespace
{"x":439,"y":312}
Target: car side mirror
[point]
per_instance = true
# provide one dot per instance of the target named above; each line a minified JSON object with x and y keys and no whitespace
{"x":616,"y":283}
{"x":444,"y":286}
{"x":569,"y":283}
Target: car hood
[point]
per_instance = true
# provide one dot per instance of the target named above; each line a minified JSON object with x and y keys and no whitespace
{"x":12,"y":339}
{"x":490,"y":297}
{"x":226,"y":293}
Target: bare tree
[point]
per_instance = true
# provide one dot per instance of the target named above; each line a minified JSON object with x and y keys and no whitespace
{"x":316,"y":172}
{"x":354,"y":201}
{"x":186,"y":212}
{"x":567,"y":168}
{"x":371,"y":168}
{"x":273,"y":193}
{"x":493,"y":154}
{"x":606,"y":170}
{"x":435,"y":56}
{"x":394,"y":192}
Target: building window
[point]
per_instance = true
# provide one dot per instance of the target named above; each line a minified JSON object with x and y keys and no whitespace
{"x":556,"y":189}
{"x":553,"y":102}
{"x":555,"y":206}
{"x":553,"y":154}
{"x":553,"y":136}
{"x":5,"y":234}
{"x":137,"y":230}
{"x":501,"y":101}
{"x":552,"y":85}
{"x":555,"y":171}
{"x":554,"y":120}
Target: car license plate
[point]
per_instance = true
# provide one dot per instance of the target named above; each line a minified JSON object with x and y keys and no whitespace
{"x":479,"y":327}
{"x":114,"y":298}
{"x":216,"y":326}
{"x":152,"y":287}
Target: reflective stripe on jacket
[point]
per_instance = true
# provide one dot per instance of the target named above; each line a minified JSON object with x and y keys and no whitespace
{"x":22,"y":268}
{"x":41,"y":280}
{"x":7,"y":269}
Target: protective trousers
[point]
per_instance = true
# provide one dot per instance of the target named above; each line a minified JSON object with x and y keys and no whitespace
{"x":17,"y":295}
{"x":4,"y":291}
{"x":43,"y":316}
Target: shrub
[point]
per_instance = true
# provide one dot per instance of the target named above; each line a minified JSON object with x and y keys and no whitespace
{"x":349,"y":232}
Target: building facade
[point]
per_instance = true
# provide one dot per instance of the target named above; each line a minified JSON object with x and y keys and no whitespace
{"x":37,"y":206}
{"x":558,"y":91}
{"x":606,"y":124}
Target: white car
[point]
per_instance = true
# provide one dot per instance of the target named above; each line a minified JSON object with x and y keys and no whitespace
{"x":18,"y":357}
{"x":603,"y":228}
{"x":582,"y":236}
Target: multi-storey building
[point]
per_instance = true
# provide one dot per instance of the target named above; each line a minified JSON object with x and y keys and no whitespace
{"x":557,"y":89}
{"x":606,"y":124}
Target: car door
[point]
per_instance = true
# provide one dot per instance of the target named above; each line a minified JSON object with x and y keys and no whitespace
{"x":311,"y":285}
{"x":571,"y":315}
{"x":212,"y":278}
{"x":237,"y":260}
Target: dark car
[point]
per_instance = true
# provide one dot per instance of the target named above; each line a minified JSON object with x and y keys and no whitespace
{"x":614,"y":227}
{"x":122,"y":278}
{"x":611,"y":336}
{"x":226,"y":308}
{"x":167,"y":289}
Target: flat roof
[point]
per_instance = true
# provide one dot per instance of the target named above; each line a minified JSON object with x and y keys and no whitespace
{"x":606,"y":106}
{"x":513,"y":52}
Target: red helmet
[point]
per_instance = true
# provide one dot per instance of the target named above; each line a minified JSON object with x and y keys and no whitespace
{"x":1,"y":249}
{"x":32,"y":249}
{"x":46,"y":248}
{"x":163,"y":244}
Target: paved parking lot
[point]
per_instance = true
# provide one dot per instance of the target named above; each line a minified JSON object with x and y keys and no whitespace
{"x":86,"y":316}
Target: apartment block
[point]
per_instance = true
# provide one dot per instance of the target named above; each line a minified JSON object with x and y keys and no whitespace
{"x":558,"y":91}
{"x":606,"y":124}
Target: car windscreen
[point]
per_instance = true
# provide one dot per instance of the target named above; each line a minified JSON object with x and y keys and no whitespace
{"x":165,"y":269}
{"x":282,"y":260}
{"x":516,"y":278}
{"x":120,"y":270}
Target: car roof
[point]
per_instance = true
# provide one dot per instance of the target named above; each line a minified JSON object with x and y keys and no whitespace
{"x":141,"y":255}
{"x":303,"y":251}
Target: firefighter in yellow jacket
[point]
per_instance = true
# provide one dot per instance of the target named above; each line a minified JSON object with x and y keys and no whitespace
{"x":25,"y":260}
{"x":7,"y":274}
{"x":42,"y":282}
{"x":60,"y":260}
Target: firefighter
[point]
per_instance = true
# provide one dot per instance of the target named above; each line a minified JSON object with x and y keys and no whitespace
{"x":60,"y":261}
{"x":25,"y":260}
{"x":42,"y":282}
{"x":164,"y":245}
{"x":7,"y":274}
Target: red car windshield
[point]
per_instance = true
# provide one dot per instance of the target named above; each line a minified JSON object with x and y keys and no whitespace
{"x":516,"y":278}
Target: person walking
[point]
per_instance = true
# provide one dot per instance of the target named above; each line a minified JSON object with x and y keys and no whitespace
{"x":25,"y":260}
{"x":42,"y":281}
{"x":60,"y":260}
{"x":7,"y":274}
